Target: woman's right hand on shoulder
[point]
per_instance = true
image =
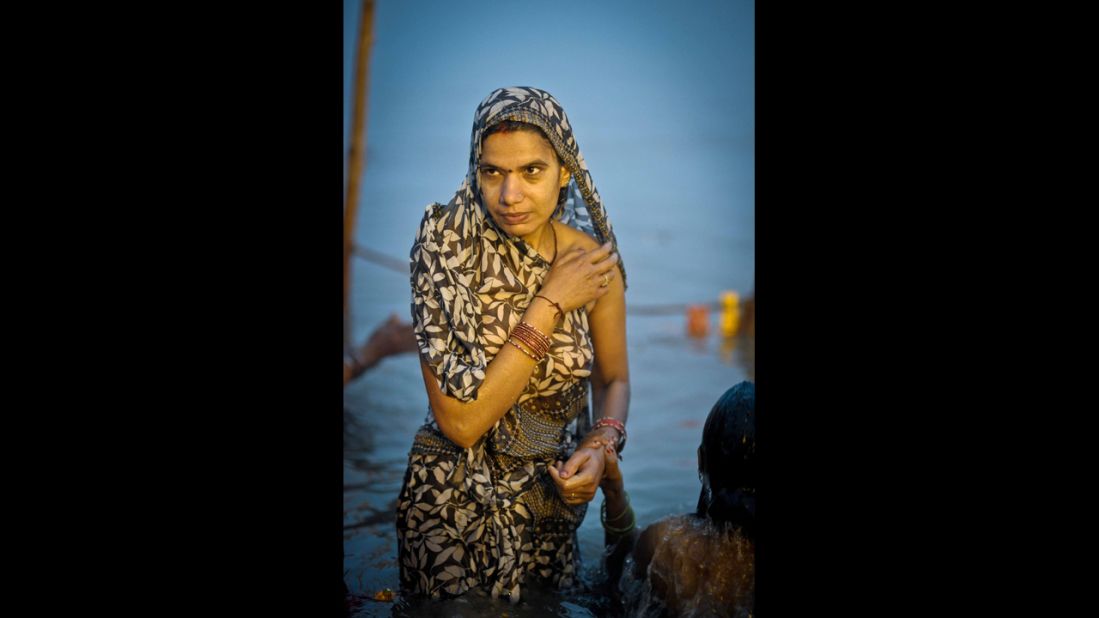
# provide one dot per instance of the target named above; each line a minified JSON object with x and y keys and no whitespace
{"x":577,"y":276}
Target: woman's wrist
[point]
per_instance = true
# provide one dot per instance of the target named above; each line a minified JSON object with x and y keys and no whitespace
{"x":544,"y":308}
{"x":598,"y":439}
{"x":604,"y":436}
{"x":617,"y":519}
{"x":612,"y":488}
{"x":541,"y":315}
{"x":612,"y":427}
{"x":558,"y":310}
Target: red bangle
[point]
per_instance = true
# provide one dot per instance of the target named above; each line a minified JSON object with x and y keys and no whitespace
{"x":613,"y":422}
{"x":617,"y":425}
{"x":535,"y":339}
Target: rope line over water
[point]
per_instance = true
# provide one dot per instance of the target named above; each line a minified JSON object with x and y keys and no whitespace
{"x":401,"y":267}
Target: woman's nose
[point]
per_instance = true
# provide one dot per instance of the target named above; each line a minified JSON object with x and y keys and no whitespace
{"x":511,"y":192}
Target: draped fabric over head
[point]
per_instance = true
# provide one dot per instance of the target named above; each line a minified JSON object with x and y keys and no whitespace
{"x":453,"y":242}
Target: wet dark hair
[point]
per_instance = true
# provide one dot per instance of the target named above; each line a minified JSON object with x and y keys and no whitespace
{"x":508,"y":126}
{"x":727,"y":454}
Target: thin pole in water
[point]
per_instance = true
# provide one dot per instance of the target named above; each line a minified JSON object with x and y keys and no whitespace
{"x":357,"y":155}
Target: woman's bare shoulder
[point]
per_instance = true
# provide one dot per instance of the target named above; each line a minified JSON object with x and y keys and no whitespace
{"x":569,"y":238}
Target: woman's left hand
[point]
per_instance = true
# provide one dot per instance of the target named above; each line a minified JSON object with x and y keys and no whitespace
{"x":579,"y":477}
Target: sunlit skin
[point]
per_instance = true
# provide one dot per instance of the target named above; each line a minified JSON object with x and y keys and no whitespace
{"x":687,"y":559}
{"x":520,"y":178}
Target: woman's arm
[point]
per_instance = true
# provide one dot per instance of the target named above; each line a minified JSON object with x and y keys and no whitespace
{"x":505,"y":378}
{"x":617,"y":515}
{"x":579,"y":478}
{"x":573,"y":281}
{"x":611,"y":375}
{"x":618,"y":519}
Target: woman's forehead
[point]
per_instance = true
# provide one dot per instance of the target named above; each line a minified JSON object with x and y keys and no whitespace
{"x":516,"y":147}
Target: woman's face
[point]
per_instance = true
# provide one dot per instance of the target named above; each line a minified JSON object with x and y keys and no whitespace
{"x":520,"y":180}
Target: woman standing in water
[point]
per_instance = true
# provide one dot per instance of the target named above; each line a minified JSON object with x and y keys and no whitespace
{"x":518,"y":305}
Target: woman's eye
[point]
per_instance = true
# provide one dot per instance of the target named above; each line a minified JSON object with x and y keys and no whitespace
{"x":533,"y":170}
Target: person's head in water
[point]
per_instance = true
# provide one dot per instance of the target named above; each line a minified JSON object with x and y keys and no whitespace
{"x":726,"y":459}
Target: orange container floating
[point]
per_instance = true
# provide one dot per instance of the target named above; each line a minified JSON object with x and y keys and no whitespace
{"x":698,"y":320}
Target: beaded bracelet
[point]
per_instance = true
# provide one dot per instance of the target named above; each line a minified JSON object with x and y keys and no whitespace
{"x":521,"y":349}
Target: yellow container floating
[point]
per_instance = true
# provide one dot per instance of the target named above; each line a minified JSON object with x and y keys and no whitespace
{"x":730,"y":313}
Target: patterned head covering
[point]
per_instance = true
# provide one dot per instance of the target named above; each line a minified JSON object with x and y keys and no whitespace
{"x":446,"y":257}
{"x":583,"y":208}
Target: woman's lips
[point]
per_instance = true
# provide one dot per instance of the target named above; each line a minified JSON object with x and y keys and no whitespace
{"x":514,"y":218}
